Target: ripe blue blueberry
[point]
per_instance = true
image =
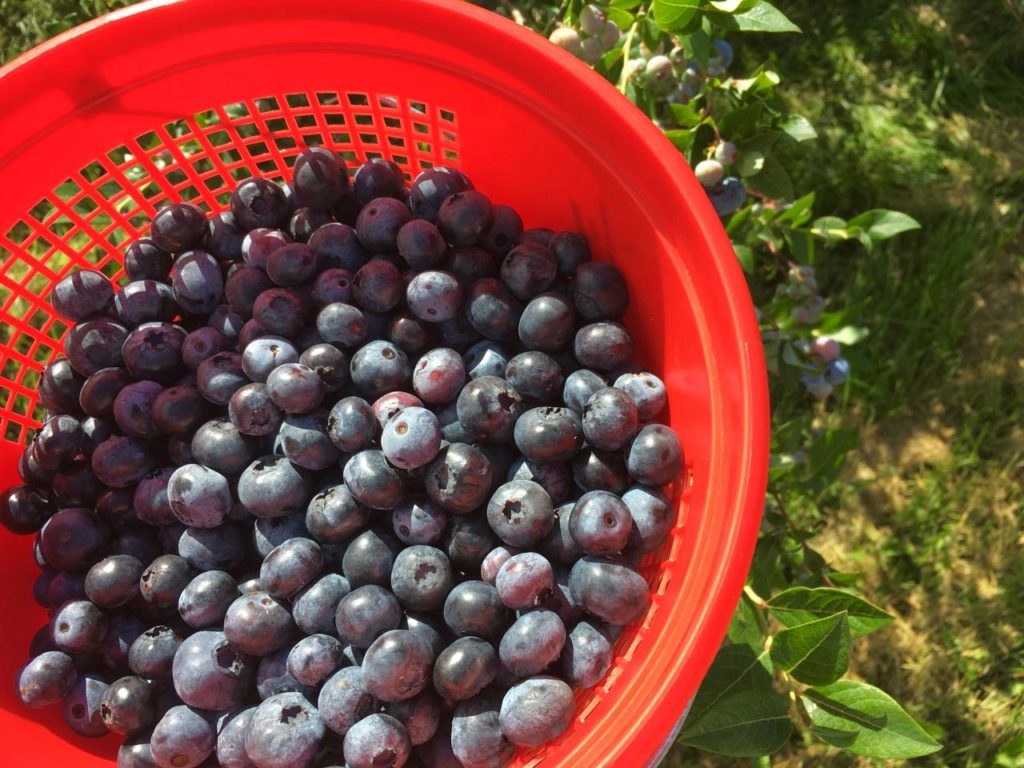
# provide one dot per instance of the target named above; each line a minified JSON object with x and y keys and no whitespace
{"x":315,"y":658}
{"x":314,"y":607}
{"x":199,"y":496}
{"x":183,"y":738}
{"x":655,"y":456}
{"x":344,"y":700}
{"x":549,"y":434}
{"x":603,"y":346}
{"x":439,"y":375}
{"x":377,"y":740}
{"x":411,"y":438}
{"x":477,"y":737}
{"x":206,"y":599}
{"x":523,"y":580}
{"x":600,"y":523}
{"x":434,"y":296}
{"x":465,"y":668}
{"x":366,"y":613}
{"x":536,"y":711}
{"x":532,"y":643}
{"x":528,"y":270}
{"x":609,"y":589}
{"x":209,"y":673}
{"x":46,"y":679}
{"x":81,"y":295}
{"x":421,"y":578}
{"x":610,"y":419}
{"x":474,"y":608}
{"x":257,"y":624}
{"x":285,"y":731}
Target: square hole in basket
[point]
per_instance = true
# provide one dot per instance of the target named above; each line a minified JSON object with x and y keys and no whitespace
{"x":42,"y":210}
{"x":296,"y":100}
{"x":268,"y":104}
{"x":358,"y":99}
{"x":305,"y":121}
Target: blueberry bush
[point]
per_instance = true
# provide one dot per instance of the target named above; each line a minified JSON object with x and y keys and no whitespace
{"x":780,"y":677}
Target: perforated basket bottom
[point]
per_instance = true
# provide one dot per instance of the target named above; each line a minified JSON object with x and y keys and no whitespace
{"x":87,"y":219}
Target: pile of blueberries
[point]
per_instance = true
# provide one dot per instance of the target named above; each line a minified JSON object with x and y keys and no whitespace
{"x":351,"y":473}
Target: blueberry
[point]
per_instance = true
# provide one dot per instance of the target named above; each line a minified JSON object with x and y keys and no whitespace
{"x":258,"y":244}
{"x":420,"y":715}
{"x":199,"y":496}
{"x":559,"y":545}
{"x":523,"y":580}
{"x":504,"y":233}
{"x":285,"y":731}
{"x":470,"y":264}
{"x":218,"y":445}
{"x":610,"y":419}
{"x":587,"y":656}
{"x":197,"y":282}
{"x":465,"y":217}
{"x":379,"y":367}
{"x":281,"y":311}
{"x":342,"y":324}
{"x":90,"y":346}
{"x":139,"y":541}
{"x":73,"y":539}
{"x":224,"y":237}
{"x":477,"y":738}
{"x":411,"y":335}
{"x":536,"y":376}
{"x":570,"y":250}
{"x":351,"y":424}
{"x":412,"y":438}
{"x":81,"y":295}
{"x":46,"y":679}
{"x":458,"y":334}
{"x":258,"y":202}
{"x":709,"y":173}
{"x":474,"y":608}
{"x":547,"y":322}
{"x":252,"y":412}
{"x":553,"y":476}
{"x":344,"y":700}
{"x":609,"y":589}
{"x":143,"y":301}
{"x":459,"y":478}
{"x":432,"y":187}
{"x":164,"y":579}
{"x":419,"y":520}
{"x":601,"y":471}
{"x":65,"y":587}
{"x":492,"y":563}
{"x":23,"y":510}
{"x":291,"y":264}
{"x":57,"y":442}
{"x":330,"y":364}
{"x":202,"y":344}
{"x":439,"y":375}
{"x":291,"y":566}
{"x":144,"y":260}
{"x":257,"y":624}
{"x":303,"y":440}
{"x":113,"y":581}
{"x":81,"y":707}
{"x":421,"y":244}
{"x":655,"y":456}
{"x":837,"y":371}
{"x":314,"y":608}
{"x":366,"y":613}
{"x":652,"y":517}
{"x":397,"y":665}
{"x":421,"y":578}
{"x":320,"y":178}
{"x":128,"y":706}
{"x":386,"y":407}
{"x":333,"y":516}
{"x":275,"y":531}
{"x":78,"y":627}
{"x":179,"y":410}
{"x":434,"y":296}
{"x":295,"y":388}
{"x":206,"y":599}
{"x":528,"y":270}
{"x":178,"y":227}
{"x":377,"y":286}
{"x":549,"y":434}
{"x":600,"y":523}
{"x":151,"y":654}
{"x":379,"y":223}
{"x":220,"y":548}
{"x":208,"y":673}
{"x":60,"y":384}
{"x":469,"y":540}
{"x":219,"y":376}
{"x":337,"y":246}
{"x":225,"y":320}
{"x":332,"y":286}
{"x":377,"y":178}
{"x":536,"y":711}
{"x":377,"y":740}
{"x":465,"y":668}
{"x":372,"y":481}
{"x":728,"y":197}
{"x":273,"y":487}
{"x":231,"y":739}
{"x":315,"y":658}
{"x":76,"y":484}
{"x":133,"y":409}
{"x":485,"y":358}
{"x":532,"y":643}
{"x":273,"y":677}
{"x":491,"y":309}
{"x":603,"y":346}
{"x":646,"y":390}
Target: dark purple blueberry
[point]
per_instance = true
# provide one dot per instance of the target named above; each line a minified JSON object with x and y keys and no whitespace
{"x":220,"y":548}
{"x":224,"y":237}
{"x":477,"y":738}
{"x":465,"y":217}
{"x":458,"y":334}
{"x":431,"y":187}
{"x":144,"y":301}
{"x":494,"y":560}
{"x":469,"y":540}
{"x":373,"y":481}
{"x":421,"y":578}
{"x":332,"y":286}
{"x":92,"y":345}
{"x":532,"y":643}
{"x":474,"y":608}
{"x":344,"y":700}
{"x":179,"y":410}
{"x":504,"y":233}
{"x":231,"y":730}
{"x":486,"y":358}
{"x":379,"y":223}
{"x":603,"y":346}
{"x":646,"y":390}
{"x":579,"y":388}
{"x":202,"y":344}
{"x":178,"y":227}
{"x":379,"y":367}
{"x":144,"y":260}
{"x":75,"y":485}
{"x":95,"y":431}
{"x":291,"y":264}
{"x":397,"y":665}
{"x":601,"y":471}
{"x":183,"y":738}
{"x":139,"y":541}
{"x":24,"y":510}
{"x":528,"y":270}
{"x":219,"y":445}
{"x":46,"y":679}
{"x":153,"y":351}
{"x":434,"y":296}
{"x":197,"y":282}
{"x":243,"y":286}
{"x":559,"y":546}
{"x":610,"y":419}
{"x":122,"y":631}
{"x":536,"y":376}
{"x":411,"y":439}
{"x":257,"y":624}
{"x":330,"y":364}
{"x":488,"y":408}
{"x":291,"y":566}
{"x":465,"y":668}
{"x":366,"y":613}
{"x":520,"y":513}
{"x":57,"y":442}
{"x":420,"y":715}
{"x":377,"y":740}
{"x":421,"y":244}
{"x":539,"y":235}
{"x":655,"y":456}
{"x":127,"y":706}
{"x":281,"y":311}
{"x":369,"y":558}
{"x":295,"y":388}
{"x":151,"y":655}
{"x":336,"y":245}
{"x":378,"y":178}
{"x":523,"y":581}
{"x":65,"y":587}
{"x":342,"y":324}
{"x":418,"y":520}
{"x":553,"y":477}
{"x":547,"y":322}
{"x":609,"y":589}
{"x":121,"y":461}
{"x":206,"y":599}
{"x":653,"y":517}
{"x":60,"y":385}
{"x":470,"y":264}
{"x":377,"y":286}
{"x":599,"y":291}
{"x":459,"y":479}
{"x":261,"y":356}
{"x":258,"y":244}
{"x":320,"y":178}
{"x":600,"y":523}
{"x":570,"y":251}
{"x":351,"y":424}
{"x":210,"y":674}
{"x":82,"y":294}
{"x":273,"y":487}
{"x":81,"y":706}
{"x":113,"y":581}
{"x":225,"y":320}
{"x":315,"y":607}
{"x":439,"y":375}
{"x":78,"y":627}
{"x":258,"y":202}
{"x":253,"y":412}
{"x":199,"y":496}
{"x":304,"y":441}
{"x":304,"y":222}
{"x":73,"y":539}
{"x":274,"y":531}
{"x":334,"y":516}
{"x":314,"y":659}
{"x":164,"y":580}
{"x":549,"y":434}
{"x":273,"y":678}
{"x":536,"y":711}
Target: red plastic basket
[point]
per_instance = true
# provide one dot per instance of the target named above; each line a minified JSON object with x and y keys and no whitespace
{"x":174,"y":100}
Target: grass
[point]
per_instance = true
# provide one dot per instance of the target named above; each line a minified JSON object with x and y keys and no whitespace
{"x":920,"y":107}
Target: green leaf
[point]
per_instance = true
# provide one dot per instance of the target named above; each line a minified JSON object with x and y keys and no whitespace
{"x":683,"y":139}
{"x":685,"y":115}
{"x":834,"y":736}
{"x":740,"y":123}
{"x":744,"y":627}
{"x":628,"y":5}
{"x":763,"y":17}
{"x":620,"y":17}
{"x":800,"y":605}
{"x":799,"y":128}
{"x":831,"y":228}
{"x":763,"y":81}
{"x":745,"y":256}
{"x":772,"y":181}
{"x":850,"y":334}
{"x":815,"y":653}
{"x":736,"y":712}
{"x":827,"y":455}
{"x":798,"y":212}
{"x":791,"y":357}
{"x":698,"y":45}
{"x":884,"y":730}
{"x":673,"y":15}
{"x":749,"y":163}
{"x":733,"y":6}
{"x":881,"y":224}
